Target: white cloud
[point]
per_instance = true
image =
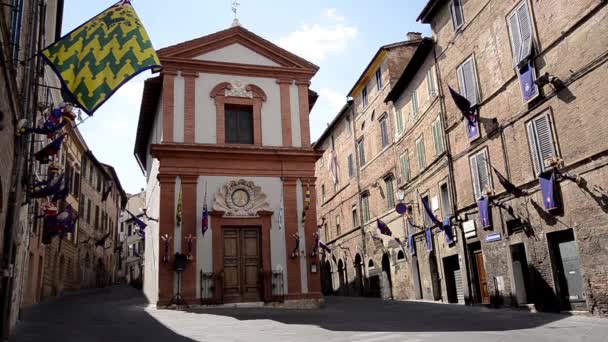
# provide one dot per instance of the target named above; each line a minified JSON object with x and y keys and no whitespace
{"x":316,"y":41}
{"x":332,"y":13}
{"x":334,"y":99}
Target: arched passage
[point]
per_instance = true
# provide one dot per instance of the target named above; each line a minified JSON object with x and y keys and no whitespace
{"x":386,"y":289}
{"x":358,"y":286}
{"x":342,"y":281}
{"x":326,"y":284}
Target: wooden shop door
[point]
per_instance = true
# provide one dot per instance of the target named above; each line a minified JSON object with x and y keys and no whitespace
{"x":241,"y":264}
{"x":482,"y":278}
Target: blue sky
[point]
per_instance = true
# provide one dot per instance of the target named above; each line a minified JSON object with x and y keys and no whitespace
{"x":336,"y":35}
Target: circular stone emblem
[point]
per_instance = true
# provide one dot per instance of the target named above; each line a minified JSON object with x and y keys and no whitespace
{"x":240,"y":198}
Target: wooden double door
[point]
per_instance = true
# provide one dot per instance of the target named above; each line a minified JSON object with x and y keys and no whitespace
{"x":242,"y":263}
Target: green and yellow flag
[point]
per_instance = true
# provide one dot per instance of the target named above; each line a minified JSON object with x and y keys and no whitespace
{"x":98,"y":57}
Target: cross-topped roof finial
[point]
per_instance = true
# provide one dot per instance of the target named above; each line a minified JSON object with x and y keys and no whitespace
{"x":235,"y":5}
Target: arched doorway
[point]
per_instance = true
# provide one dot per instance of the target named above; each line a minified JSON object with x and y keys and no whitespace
{"x":326,"y":284}
{"x":342,"y":280}
{"x":386,"y":284}
{"x":358,"y":286}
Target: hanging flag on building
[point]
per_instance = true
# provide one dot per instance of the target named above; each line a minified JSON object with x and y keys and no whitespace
{"x":178,"y":210}
{"x":333,"y":166}
{"x":323,"y":246}
{"x":62,"y":194}
{"x":448,"y":231}
{"x":281,"y":212}
{"x":485,"y":213}
{"x":411,"y":244}
{"x":59,"y":225}
{"x":205,"y":215}
{"x":429,"y":211}
{"x":527,"y":76}
{"x":548,"y":189}
{"x":139,"y":223}
{"x":383,"y":227}
{"x":509,"y":187}
{"x":102,"y":242}
{"x":99,"y":56}
{"x":48,"y":187}
{"x":108,"y":190}
{"x":428,"y":234}
{"x":44,"y":155}
{"x":468,"y":112}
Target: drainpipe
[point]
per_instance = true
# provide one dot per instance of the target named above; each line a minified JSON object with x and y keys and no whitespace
{"x":452,"y":186}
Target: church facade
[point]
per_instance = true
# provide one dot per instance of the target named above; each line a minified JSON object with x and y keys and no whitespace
{"x":224,"y":140}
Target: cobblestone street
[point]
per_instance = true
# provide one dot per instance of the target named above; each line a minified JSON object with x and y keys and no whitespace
{"x":121,"y":314}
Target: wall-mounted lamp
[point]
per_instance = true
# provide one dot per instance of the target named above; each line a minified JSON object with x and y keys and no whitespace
{"x":166,"y":238}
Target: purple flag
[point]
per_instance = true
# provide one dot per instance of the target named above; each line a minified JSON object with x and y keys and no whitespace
{"x":323,"y":246}
{"x":384,"y":229}
{"x":141,"y":224}
{"x":527,"y":76}
{"x":447,"y":230}
{"x":510,"y":187}
{"x":472,"y":130}
{"x":205,"y":220}
{"x":411,"y":244}
{"x":49,"y":150}
{"x":48,"y":188}
{"x":547,"y":187}
{"x":429,"y":239}
{"x":485,"y":214}
{"x":429,"y":212}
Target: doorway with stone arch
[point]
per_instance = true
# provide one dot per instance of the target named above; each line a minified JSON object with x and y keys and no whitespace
{"x":386,"y":284}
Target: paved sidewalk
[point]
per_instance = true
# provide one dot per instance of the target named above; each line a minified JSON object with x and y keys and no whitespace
{"x":120,"y":314}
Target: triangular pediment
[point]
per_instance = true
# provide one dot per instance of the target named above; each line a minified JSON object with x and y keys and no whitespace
{"x":236,"y":45}
{"x":236,"y":53}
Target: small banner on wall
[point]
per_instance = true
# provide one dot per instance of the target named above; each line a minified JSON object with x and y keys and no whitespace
{"x":485,"y":213}
{"x":548,"y":189}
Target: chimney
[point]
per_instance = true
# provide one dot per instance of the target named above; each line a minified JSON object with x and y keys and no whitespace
{"x":414,"y":36}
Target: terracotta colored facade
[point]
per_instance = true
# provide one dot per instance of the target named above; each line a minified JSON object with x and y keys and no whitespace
{"x":183,"y":148}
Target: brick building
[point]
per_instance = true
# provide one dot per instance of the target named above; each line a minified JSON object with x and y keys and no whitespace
{"x":225,"y":127}
{"x":131,"y":241}
{"x":102,"y":199}
{"x":532,"y":72}
{"x":361,"y":143}
{"x":490,"y":52}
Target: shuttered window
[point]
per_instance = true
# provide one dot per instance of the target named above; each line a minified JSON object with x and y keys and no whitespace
{"x":361,"y":151}
{"x":420,"y":153}
{"x":414,"y":104}
{"x":322,"y":193}
{"x":399,"y":121}
{"x":338,"y":229}
{"x":379,"y":78}
{"x":365,"y":207}
{"x":404,"y":160}
{"x":430,"y":82}
{"x":542,"y":143}
{"x":438,"y":137}
{"x":390,"y":192}
{"x":384,"y":131}
{"x":239,"y":124}
{"x":457,"y":14}
{"x":520,"y":28}
{"x":467,"y":80}
{"x":480,"y":173}
{"x":351,"y":166}
{"x":364,"y":96}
